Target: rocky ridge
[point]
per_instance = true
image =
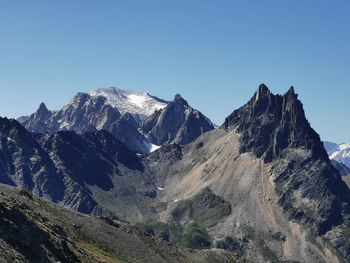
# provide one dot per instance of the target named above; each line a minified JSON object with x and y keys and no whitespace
{"x":130,"y":116}
{"x":274,"y":128}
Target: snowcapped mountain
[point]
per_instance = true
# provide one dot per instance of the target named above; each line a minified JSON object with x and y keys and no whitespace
{"x":338,"y":152}
{"x":122,"y":113}
{"x":136,"y":103}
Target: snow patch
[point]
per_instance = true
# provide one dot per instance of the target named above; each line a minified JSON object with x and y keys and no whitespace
{"x":341,"y":154}
{"x":154,"y":147}
{"x":138,"y":103}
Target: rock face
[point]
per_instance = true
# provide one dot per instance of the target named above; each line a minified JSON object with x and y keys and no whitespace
{"x":24,"y":163}
{"x":274,"y":128}
{"x":270,"y":123}
{"x":62,"y":166}
{"x":122,"y":114}
{"x":88,"y":113}
{"x":176,"y":123}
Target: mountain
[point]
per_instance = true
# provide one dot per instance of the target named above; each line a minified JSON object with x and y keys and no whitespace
{"x":122,"y":113}
{"x":338,"y":152}
{"x":138,"y":104}
{"x":87,"y":113}
{"x":260,"y":186}
{"x":33,"y":230}
{"x":67,"y":168}
{"x":176,"y":123}
{"x":37,"y":121}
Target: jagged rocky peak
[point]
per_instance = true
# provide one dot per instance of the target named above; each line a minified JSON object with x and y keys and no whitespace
{"x":178,"y":123}
{"x":275,"y":129}
{"x":36,"y":121}
{"x":262,"y":91}
{"x":43,"y":114}
{"x":42,"y":110}
{"x":271,"y":123}
{"x":180,"y":100}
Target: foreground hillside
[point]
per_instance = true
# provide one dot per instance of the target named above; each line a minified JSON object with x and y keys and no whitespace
{"x":34,"y":230}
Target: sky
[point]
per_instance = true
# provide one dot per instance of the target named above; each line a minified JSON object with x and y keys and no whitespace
{"x":214,"y":53}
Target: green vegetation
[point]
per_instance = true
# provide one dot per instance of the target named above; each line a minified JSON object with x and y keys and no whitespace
{"x":195,"y":237}
{"x":169,"y":232}
{"x":99,"y":253}
{"x":192,"y":236}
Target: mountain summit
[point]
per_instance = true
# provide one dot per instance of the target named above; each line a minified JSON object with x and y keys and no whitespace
{"x":271,"y":123}
{"x":129,"y":116}
{"x":274,"y":128}
{"x":177,"y":123}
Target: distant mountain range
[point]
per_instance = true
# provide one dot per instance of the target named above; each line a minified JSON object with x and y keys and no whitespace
{"x":260,"y":186}
{"x":338,"y":152}
{"x":132,"y":117}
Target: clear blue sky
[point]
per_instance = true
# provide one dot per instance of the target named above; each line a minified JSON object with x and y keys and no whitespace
{"x":215,"y":53}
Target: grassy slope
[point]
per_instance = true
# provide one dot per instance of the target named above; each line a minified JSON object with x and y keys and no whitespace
{"x":83,"y":238}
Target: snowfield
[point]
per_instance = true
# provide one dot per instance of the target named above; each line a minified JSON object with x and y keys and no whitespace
{"x":136,"y":103}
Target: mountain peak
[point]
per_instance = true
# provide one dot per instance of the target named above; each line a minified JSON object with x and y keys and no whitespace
{"x":178,"y":123}
{"x":291,"y":90}
{"x":42,"y":110}
{"x":180,"y":100}
{"x":42,"y":106}
{"x":271,"y":123}
{"x":262,"y":91}
{"x":290,"y":94}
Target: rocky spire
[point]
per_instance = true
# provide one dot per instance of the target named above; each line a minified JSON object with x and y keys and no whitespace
{"x":42,"y":112}
{"x":270,"y":123}
{"x":180,"y":100}
{"x":262,"y":91}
